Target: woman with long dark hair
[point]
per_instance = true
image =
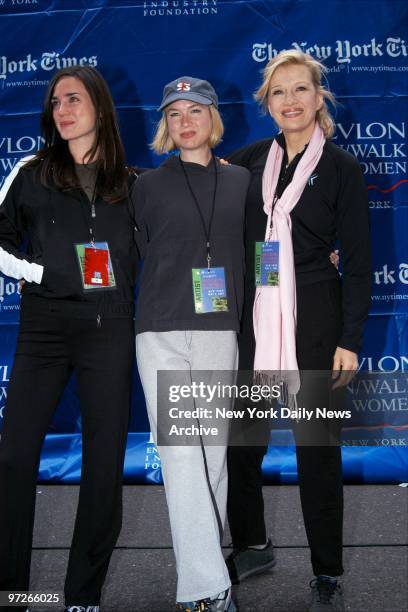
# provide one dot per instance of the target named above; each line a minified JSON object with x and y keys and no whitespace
{"x":308,"y":319}
{"x":71,"y":201}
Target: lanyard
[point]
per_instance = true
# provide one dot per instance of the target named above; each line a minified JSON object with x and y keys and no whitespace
{"x":274,"y":202}
{"x":207,"y":231}
{"x":282,"y":176}
{"x":286,"y":179}
{"x":92,"y":216}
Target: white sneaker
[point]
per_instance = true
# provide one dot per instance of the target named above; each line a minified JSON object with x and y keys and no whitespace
{"x":82,"y":609}
{"x":223,"y":602}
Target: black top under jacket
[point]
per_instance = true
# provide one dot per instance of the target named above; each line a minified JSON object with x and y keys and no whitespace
{"x":333,"y":208}
{"x":174,"y":242}
{"x":52,"y":222}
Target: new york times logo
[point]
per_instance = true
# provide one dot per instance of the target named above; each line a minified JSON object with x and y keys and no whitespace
{"x":387,"y":276}
{"x":343,"y":51}
{"x":48,"y":61}
{"x":7,"y":289}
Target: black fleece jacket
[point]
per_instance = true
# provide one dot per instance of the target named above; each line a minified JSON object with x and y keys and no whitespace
{"x":333,"y":208}
{"x":173,"y":242}
{"x":52,"y":222}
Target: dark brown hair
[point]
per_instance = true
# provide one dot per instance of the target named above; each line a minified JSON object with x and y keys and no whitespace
{"x":57,"y":167}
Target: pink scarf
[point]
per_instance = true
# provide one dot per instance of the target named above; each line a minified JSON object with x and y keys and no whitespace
{"x":275,"y":307}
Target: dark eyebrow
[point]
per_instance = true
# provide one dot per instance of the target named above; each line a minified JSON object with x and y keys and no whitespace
{"x":73,"y":93}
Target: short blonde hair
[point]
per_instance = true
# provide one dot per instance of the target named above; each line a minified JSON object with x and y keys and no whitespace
{"x":316,"y":69}
{"x":162,"y":143}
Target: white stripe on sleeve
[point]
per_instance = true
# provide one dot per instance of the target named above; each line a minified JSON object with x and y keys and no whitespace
{"x":9,"y":264}
{"x":20,"y":268}
{"x":6,"y":185}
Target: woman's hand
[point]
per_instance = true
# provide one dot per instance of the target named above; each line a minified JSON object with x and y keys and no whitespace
{"x":335,"y":258}
{"x":345,"y":365}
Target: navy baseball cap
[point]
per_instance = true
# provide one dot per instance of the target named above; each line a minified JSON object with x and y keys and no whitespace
{"x":189,"y":88}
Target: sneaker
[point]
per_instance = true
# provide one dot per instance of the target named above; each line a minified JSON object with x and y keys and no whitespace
{"x":82,"y":609}
{"x":242,"y":563}
{"x":193,"y":606}
{"x":327,"y":595}
{"x":222,"y":603}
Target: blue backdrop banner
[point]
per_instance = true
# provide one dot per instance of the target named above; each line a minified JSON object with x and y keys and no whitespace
{"x":140,"y":46}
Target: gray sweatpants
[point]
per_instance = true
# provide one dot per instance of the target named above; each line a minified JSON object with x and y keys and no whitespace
{"x":196,"y":540}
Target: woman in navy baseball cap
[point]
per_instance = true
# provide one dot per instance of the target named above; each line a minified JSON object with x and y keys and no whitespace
{"x":190,"y":213}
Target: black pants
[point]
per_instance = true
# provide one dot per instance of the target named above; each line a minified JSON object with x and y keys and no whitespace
{"x":319,"y":324}
{"x":50,"y":345}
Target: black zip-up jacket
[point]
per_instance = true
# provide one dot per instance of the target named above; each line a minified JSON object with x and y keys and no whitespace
{"x":52,"y":222}
{"x":333,"y":207}
{"x":175,"y":242}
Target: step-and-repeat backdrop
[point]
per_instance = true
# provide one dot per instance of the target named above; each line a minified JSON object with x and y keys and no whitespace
{"x":140,"y":46}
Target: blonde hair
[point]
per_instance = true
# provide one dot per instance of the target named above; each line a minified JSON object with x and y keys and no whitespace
{"x":163,"y":143}
{"x":316,"y":69}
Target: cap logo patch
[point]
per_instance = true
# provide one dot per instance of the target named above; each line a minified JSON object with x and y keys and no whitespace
{"x":182,"y":86}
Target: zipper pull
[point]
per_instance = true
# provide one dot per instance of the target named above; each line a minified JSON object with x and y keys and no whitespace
{"x":98,"y":321}
{"x":93,"y":210}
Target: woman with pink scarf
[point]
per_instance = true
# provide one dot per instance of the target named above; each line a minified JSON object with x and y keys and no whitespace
{"x":305,"y":194}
